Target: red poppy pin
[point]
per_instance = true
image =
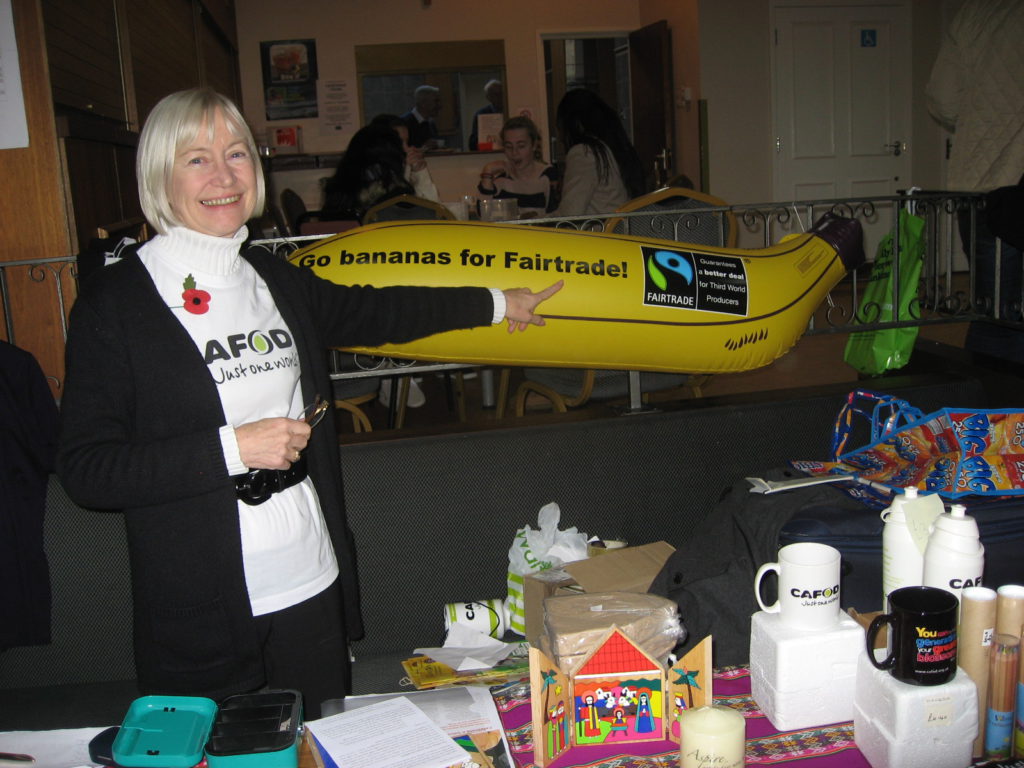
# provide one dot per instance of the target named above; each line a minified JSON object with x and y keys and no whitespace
{"x":196,"y":301}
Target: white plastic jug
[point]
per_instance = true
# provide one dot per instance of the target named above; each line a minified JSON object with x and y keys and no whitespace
{"x":955,"y":556}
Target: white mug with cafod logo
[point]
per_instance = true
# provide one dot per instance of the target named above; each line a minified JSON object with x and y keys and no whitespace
{"x":808,"y":586}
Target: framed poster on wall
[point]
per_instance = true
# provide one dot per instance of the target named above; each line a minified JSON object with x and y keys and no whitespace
{"x":289,"y":78}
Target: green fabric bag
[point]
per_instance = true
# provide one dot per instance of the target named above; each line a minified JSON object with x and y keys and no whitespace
{"x":875,"y":352}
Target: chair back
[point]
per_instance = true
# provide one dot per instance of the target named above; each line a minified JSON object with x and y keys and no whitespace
{"x":315,"y":227}
{"x":293,"y":208}
{"x":407,"y":208}
{"x":137,"y":229}
{"x":670,"y":219}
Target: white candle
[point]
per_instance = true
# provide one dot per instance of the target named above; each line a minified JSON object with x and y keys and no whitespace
{"x":712,"y":737}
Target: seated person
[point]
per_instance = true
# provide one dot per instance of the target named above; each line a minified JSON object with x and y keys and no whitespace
{"x":421,"y":119}
{"x":602,"y":168}
{"x":523,"y":175}
{"x":371,"y":170}
{"x":416,"y":171}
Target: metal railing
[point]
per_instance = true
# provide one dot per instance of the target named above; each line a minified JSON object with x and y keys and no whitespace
{"x":39,"y":271}
{"x":947,"y":292}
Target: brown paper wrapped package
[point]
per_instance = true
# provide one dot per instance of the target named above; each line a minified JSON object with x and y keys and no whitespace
{"x":574,"y":624}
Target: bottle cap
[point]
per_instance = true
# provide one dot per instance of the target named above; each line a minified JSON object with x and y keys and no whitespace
{"x":957,"y":510}
{"x":910,"y":492}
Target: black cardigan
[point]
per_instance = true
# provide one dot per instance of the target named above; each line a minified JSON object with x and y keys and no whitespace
{"x":28,"y":444}
{"x":140,"y":433}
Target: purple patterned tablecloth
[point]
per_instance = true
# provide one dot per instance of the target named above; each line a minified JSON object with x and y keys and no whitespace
{"x":829,"y":746}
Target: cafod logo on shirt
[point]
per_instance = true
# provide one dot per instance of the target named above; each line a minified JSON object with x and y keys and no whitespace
{"x":250,"y":354}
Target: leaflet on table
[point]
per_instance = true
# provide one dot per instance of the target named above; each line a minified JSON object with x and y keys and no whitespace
{"x":467,"y":714}
{"x":394,"y":733}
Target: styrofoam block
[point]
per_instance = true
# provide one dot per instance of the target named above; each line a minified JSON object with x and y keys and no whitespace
{"x":801,"y":678}
{"x":800,"y":659}
{"x":898,"y":725}
{"x":793,"y":710}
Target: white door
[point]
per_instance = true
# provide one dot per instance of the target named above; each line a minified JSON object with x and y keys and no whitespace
{"x":841,"y":100}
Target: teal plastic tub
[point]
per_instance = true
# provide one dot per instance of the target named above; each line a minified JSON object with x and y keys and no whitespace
{"x":164,"y":732}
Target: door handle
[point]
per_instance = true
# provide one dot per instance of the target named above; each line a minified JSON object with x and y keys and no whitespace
{"x":897,"y":147}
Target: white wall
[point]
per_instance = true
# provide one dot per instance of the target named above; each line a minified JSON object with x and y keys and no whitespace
{"x":337,"y":26}
{"x":736,"y":84}
{"x":736,"y":81}
{"x":726,"y":62}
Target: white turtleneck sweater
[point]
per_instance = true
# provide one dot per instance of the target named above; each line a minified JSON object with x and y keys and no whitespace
{"x":249,"y":351}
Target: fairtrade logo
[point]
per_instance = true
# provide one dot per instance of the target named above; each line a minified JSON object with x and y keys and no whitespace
{"x":672,"y":262}
{"x":691,"y":280}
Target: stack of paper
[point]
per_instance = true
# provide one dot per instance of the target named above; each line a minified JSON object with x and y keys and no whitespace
{"x":392,"y":732}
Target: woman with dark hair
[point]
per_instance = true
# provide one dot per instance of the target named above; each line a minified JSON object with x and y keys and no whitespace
{"x":371,"y":170}
{"x":602,"y":169}
{"x":416,"y":171}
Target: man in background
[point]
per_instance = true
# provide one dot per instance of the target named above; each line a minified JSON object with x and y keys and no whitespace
{"x":494,"y":92}
{"x":421,"y":118}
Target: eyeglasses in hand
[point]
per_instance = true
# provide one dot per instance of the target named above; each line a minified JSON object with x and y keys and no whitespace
{"x":314,"y":414}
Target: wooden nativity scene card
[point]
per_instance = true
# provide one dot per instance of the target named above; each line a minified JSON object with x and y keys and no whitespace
{"x":617,"y":695}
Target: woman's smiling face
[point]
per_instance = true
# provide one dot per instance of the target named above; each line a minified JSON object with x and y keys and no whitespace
{"x":213,"y":184}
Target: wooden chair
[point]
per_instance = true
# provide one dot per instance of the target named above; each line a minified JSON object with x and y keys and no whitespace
{"x":407,"y":208}
{"x":135,"y":228}
{"x":669,"y":219}
{"x":351,"y":394}
{"x":567,"y":388}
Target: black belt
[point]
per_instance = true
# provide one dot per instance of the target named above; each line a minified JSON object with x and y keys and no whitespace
{"x":258,"y":485}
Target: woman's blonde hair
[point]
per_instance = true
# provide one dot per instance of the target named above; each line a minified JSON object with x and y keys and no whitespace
{"x":174,"y":123}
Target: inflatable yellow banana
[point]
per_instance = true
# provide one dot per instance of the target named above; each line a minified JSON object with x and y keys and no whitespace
{"x":628,"y":302}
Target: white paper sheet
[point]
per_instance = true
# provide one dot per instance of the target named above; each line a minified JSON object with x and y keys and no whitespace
{"x":467,"y":649}
{"x":67,"y":748}
{"x":391,"y":734}
{"x":466,"y":710}
{"x":13,"y":126}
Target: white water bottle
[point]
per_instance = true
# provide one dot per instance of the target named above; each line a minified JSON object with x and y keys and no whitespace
{"x":902,"y":560}
{"x":955,"y":556}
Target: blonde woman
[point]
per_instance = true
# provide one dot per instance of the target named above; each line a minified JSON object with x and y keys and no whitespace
{"x":523,"y":175}
{"x":190,"y":366}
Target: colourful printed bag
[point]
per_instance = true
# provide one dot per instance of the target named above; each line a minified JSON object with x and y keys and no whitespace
{"x":954,"y":452}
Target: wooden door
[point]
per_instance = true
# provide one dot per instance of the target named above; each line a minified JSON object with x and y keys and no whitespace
{"x":650,"y":82}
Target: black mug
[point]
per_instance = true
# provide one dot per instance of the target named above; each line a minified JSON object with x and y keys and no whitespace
{"x":922,"y":624}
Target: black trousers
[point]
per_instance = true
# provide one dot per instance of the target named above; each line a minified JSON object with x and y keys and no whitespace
{"x":305,"y":648}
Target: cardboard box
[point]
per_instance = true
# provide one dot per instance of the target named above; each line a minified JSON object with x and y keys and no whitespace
{"x":864,"y":619}
{"x":632,"y":569}
{"x":574,"y":625}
